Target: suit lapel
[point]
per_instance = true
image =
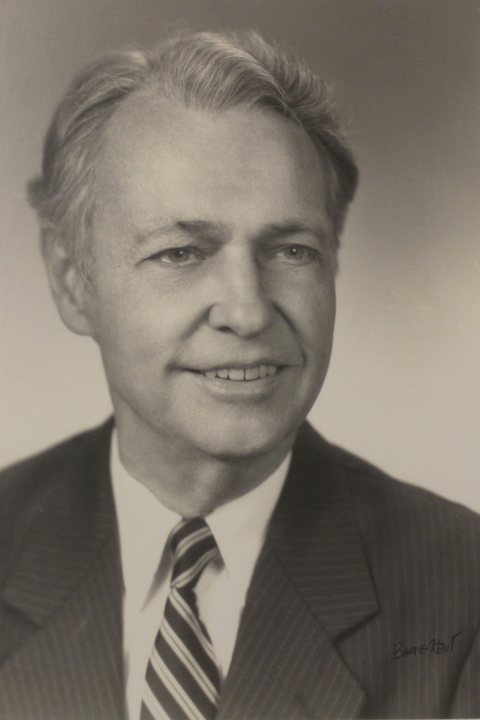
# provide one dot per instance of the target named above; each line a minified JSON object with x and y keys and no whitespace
{"x":63,"y":597}
{"x":310,"y":590}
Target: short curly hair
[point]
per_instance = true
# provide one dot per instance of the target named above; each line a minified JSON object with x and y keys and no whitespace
{"x":207,"y":70}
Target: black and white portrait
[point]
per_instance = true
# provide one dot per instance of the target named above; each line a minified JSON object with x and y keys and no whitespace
{"x":239,"y":306}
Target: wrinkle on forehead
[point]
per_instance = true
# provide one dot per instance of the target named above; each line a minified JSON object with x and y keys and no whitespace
{"x":145,"y":114}
{"x":242,"y":151}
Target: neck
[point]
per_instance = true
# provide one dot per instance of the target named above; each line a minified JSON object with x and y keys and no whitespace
{"x":188,"y":481}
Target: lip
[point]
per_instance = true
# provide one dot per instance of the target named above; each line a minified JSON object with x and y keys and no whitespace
{"x":225,"y":389}
{"x":237,"y":365}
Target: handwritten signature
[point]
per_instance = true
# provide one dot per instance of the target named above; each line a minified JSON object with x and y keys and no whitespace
{"x":434,"y":646}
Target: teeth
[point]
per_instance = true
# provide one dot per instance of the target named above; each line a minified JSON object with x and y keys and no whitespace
{"x":235,"y":374}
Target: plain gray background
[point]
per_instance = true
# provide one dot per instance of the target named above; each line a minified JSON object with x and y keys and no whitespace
{"x":403,"y":388}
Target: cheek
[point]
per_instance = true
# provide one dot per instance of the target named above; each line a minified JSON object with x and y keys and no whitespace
{"x":325,"y":309}
{"x":143,"y":326}
{"x":311,"y":309}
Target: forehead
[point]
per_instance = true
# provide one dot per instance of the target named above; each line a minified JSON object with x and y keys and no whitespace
{"x":160,"y":155}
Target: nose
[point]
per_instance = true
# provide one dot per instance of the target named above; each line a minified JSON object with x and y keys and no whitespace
{"x":241,"y":305}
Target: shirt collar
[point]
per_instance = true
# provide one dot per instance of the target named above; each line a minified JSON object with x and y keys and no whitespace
{"x":143,"y":524}
{"x":239,"y":526}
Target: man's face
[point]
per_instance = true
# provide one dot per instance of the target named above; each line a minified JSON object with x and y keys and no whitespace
{"x":213,"y":299}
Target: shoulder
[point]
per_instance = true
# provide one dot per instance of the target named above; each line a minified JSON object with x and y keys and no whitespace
{"x":398,"y":521}
{"x":375,"y":493}
{"x":387,"y":506}
{"x":55,"y":480}
{"x":35,"y":473}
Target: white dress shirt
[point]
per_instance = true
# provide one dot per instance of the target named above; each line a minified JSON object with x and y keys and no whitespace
{"x":239,"y":528}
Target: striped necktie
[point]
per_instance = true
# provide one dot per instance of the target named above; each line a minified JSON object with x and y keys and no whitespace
{"x":182,"y":680}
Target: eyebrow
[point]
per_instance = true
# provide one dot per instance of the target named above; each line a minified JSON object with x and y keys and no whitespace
{"x":190,"y":227}
{"x":272,"y":231}
{"x":282,"y":230}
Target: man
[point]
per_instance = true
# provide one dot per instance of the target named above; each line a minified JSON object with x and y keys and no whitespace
{"x":207,"y":554}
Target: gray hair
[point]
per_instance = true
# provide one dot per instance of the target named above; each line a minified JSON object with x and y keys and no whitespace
{"x":206,"y":70}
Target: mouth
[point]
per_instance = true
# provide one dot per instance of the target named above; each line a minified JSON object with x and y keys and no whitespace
{"x":237,"y":374}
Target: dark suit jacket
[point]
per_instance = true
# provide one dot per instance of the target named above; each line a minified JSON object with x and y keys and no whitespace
{"x":357,"y":571}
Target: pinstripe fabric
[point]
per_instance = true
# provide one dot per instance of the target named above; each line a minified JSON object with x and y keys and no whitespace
{"x":62,"y":598}
{"x":293,"y":653}
{"x":73,"y":669}
{"x":182,"y":680}
{"x":355,"y":565}
{"x":363,"y":562}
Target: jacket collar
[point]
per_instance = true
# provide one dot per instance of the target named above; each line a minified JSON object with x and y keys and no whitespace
{"x":68,"y":527}
{"x":311,"y":589}
{"x":315,"y":534}
{"x":67,"y":523}
{"x":62,"y":639}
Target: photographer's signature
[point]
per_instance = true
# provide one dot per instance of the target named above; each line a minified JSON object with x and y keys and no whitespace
{"x":434,"y":646}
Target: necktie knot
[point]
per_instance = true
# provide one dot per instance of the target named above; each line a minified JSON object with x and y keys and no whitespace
{"x":182,"y":681}
{"x":193,"y":546}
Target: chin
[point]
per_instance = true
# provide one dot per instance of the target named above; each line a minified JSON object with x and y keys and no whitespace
{"x":243,"y":441}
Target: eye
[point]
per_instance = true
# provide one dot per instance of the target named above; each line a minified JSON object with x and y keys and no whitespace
{"x":178,"y":256}
{"x":296,"y":254}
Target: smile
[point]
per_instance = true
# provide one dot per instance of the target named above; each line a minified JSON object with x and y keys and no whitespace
{"x":242,"y":374}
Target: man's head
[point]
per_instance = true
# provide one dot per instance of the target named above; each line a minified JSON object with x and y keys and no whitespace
{"x":211,"y":182}
{"x":203,"y":70}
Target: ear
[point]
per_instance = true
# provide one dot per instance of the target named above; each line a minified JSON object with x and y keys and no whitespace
{"x":68,"y":287}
